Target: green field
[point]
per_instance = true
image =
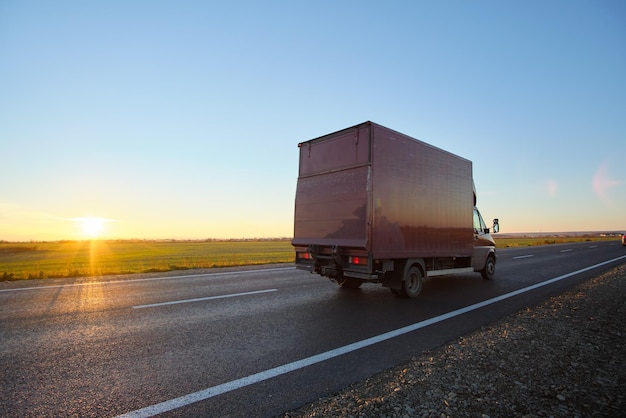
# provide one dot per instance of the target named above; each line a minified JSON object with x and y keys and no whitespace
{"x":507,"y":242}
{"x":99,"y":258}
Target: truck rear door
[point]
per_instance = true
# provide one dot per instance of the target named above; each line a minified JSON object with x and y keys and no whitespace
{"x":332,"y":192}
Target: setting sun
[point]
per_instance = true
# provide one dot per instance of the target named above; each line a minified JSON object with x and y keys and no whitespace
{"x":91,"y":227}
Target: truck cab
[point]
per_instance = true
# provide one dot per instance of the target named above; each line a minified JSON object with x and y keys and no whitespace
{"x":484,"y":260}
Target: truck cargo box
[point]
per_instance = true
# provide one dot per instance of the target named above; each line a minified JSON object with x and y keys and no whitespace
{"x":370,"y":188}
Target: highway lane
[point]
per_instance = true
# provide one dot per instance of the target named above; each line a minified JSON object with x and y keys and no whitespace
{"x":119,"y":345}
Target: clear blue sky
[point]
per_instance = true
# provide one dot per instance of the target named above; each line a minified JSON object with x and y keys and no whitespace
{"x":181,"y":119}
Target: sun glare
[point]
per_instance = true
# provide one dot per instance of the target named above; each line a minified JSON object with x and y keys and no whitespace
{"x":91,"y":227}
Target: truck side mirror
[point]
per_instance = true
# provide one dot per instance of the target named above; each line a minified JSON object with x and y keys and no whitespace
{"x":496,"y":226}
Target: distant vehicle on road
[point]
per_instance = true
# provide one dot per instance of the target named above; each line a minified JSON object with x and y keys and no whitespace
{"x":623,"y":240}
{"x":375,"y":205}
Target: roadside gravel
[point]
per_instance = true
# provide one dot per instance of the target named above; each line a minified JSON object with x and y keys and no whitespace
{"x":563,"y":358}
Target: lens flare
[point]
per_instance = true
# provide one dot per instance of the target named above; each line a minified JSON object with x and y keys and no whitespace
{"x":602,"y":183}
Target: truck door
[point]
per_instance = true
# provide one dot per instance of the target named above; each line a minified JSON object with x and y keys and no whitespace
{"x":483,"y":243}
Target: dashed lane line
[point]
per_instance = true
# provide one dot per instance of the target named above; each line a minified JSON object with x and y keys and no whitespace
{"x":175,"y":302}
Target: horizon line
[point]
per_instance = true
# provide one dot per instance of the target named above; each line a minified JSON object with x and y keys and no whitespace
{"x":284,"y":238}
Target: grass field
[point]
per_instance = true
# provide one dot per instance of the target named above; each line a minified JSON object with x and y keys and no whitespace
{"x":99,"y":258}
{"x":508,"y":242}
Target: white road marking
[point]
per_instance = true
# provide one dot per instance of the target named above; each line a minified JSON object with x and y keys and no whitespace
{"x":567,"y":251}
{"x":147,"y":279}
{"x":213,"y":391}
{"x":593,"y":246}
{"x":232,"y":295}
{"x":523,"y":256}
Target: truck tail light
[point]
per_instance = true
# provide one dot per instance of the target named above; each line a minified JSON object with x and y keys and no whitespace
{"x":357,"y":260}
{"x":304,"y":256}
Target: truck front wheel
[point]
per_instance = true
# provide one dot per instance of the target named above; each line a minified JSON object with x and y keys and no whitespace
{"x":412,"y":283}
{"x":490,"y":268}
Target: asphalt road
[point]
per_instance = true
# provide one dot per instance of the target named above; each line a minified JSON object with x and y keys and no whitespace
{"x":249,"y":342}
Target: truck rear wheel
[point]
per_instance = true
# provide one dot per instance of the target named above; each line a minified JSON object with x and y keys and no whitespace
{"x":412,"y":283}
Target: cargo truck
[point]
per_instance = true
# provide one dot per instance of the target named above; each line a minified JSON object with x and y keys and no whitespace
{"x":374,"y":205}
